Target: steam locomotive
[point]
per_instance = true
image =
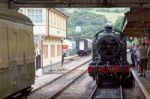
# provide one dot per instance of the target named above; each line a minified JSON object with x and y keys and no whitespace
{"x":109,"y":60}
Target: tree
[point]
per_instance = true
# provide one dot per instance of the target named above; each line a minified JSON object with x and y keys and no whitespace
{"x":119,"y":23}
{"x":88,"y":21}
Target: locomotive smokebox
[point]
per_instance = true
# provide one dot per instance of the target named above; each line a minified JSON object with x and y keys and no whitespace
{"x":108,"y":44}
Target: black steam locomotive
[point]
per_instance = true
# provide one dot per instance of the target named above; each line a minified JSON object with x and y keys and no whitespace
{"x":109,"y":60}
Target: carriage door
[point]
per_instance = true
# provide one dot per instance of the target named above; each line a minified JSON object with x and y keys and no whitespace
{"x":81,"y":45}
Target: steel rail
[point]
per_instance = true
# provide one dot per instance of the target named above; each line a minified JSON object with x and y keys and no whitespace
{"x":93,"y":92}
{"x":60,"y":76}
{"x":66,"y":86}
{"x":95,"y":89}
{"x":70,"y":59}
{"x":121,"y":92}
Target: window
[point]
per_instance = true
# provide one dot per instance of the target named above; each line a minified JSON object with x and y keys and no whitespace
{"x":36,"y":39}
{"x":20,"y":11}
{"x":35,"y":15}
{"x":52,"y":18}
{"x":59,"y":21}
{"x":52,"y":50}
{"x":63,"y":24}
{"x":58,"y":50}
{"x":55,"y":19}
{"x":45,"y":51}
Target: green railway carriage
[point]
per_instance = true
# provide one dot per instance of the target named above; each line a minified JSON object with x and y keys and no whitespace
{"x":17,"y":70}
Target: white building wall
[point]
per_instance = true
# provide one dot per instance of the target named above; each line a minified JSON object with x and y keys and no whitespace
{"x":57,"y":24}
{"x":50,"y":31}
{"x":54,"y":31}
{"x":40,"y":28}
{"x":57,"y":58}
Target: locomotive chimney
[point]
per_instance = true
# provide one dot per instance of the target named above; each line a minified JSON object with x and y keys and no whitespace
{"x":108,"y":27}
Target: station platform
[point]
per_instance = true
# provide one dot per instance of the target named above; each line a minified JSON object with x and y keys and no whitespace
{"x":56,"y":66}
{"x":144,"y":83}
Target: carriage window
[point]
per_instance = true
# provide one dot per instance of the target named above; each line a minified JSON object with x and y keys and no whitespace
{"x":20,"y":11}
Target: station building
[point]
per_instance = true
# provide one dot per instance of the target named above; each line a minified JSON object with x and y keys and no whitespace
{"x":49,"y":31}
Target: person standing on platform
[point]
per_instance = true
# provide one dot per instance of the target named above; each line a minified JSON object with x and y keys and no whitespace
{"x":62,"y":61}
{"x":133,"y":56}
{"x":148,"y":57}
{"x":137,"y":56}
{"x":143,"y":59}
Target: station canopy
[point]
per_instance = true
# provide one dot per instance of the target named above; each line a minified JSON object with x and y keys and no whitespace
{"x":136,"y":22}
{"x":76,"y":3}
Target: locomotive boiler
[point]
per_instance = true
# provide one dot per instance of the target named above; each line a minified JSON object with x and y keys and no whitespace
{"x":109,"y":58}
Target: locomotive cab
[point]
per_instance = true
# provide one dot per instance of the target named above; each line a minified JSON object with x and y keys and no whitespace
{"x":109,"y":59}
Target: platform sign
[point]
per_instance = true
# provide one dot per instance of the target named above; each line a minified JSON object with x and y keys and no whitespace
{"x":78,"y":29}
{"x":147,"y":31}
{"x":64,"y":47}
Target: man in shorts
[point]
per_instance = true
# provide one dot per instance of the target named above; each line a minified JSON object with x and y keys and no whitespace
{"x":143,"y":59}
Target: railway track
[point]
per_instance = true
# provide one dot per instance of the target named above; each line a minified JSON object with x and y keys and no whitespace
{"x":80,"y":89}
{"x":71,"y":59}
{"x":67,"y":60}
{"x":57,"y":86}
{"x":107,"y":92}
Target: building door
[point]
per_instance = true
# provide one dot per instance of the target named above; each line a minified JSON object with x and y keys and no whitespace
{"x":38,"y":62}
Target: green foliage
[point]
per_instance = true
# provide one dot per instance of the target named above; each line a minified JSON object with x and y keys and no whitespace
{"x":115,"y":10}
{"x":91,"y":20}
{"x":119,"y":23}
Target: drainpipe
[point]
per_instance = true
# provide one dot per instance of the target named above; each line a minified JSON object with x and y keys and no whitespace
{"x":48,"y":23}
{"x":48,"y":34}
{"x":42,"y":38}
